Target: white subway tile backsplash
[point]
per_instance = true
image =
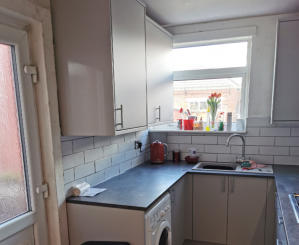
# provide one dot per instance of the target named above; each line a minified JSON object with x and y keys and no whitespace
{"x":159,"y":136}
{"x":94,"y":154}
{"x":68,"y":175}
{"x":179,"y":139}
{"x":84,"y":144}
{"x":110,"y":150}
{"x":96,"y":178}
{"x":249,"y":150}
{"x":112,"y":172}
{"x":286,"y":160}
{"x":125,"y":166}
{"x":117,"y":139}
{"x":118,"y":158}
{"x":227,"y":158}
{"x":204,"y":140}
{"x":260,"y":141}
{"x":217,"y":149}
{"x":102,"y":164}
{"x":129,"y":155}
{"x":295,"y":132}
{"x":275,"y":131}
{"x":130,"y":137}
{"x":262,"y":159}
{"x":205,"y":157}
{"x":66,"y":148}
{"x":287,"y":141}
{"x":100,"y":141}
{"x":84,"y":170}
{"x":274,"y":150}
{"x":234,"y":141}
{"x":73,"y":160}
{"x":253,"y":132}
{"x":186,"y":148}
{"x":294,"y":151}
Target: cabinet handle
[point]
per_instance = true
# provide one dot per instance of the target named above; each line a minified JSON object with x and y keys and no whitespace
{"x":224,"y":184}
{"x":278,"y":242}
{"x":280,"y":220}
{"x":232,"y":188}
{"x":159,"y":115}
{"x":121,"y":116}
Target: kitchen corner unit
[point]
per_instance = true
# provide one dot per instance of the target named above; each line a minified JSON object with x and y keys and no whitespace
{"x":101,"y":70}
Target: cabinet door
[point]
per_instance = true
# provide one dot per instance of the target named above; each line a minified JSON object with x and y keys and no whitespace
{"x":210,"y":193}
{"x":246,"y":210}
{"x":177,"y":193}
{"x":159,"y":74}
{"x":128,"y":38}
{"x":285,"y":99}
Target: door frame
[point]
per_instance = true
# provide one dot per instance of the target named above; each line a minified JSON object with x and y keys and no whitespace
{"x":27,"y":106}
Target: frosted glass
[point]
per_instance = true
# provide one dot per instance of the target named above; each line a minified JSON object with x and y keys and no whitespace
{"x":210,"y":57}
{"x":13,"y":193}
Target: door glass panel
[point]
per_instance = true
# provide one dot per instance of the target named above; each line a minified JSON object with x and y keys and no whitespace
{"x":13,"y":188}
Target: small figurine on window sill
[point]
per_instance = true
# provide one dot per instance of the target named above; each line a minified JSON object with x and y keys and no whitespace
{"x":221,"y":124}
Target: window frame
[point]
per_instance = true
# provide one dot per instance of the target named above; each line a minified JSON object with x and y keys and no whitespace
{"x":232,"y":72}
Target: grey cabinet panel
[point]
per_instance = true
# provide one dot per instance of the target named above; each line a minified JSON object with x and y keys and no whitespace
{"x":100,"y":62}
{"x":128,"y":38}
{"x":286,"y":85}
{"x":159,"y":74}
{"x":210,"y":195}
{"x":246,"y":210}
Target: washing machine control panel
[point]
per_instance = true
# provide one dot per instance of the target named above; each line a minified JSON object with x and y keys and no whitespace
{"x":160,"y":212}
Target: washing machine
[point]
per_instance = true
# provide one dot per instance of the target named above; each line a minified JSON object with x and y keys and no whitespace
{"x":158,"y":223}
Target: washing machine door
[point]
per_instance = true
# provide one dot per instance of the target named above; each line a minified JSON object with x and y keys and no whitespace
{"x":164,"y":234}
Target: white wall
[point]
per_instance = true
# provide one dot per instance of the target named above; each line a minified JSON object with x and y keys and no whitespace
{"x":263,"y":51}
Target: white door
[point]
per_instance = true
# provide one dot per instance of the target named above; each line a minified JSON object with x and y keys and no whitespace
{"x":22,"y":210}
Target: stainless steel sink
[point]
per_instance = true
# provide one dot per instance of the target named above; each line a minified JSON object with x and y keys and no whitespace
{"x":215,"y":166}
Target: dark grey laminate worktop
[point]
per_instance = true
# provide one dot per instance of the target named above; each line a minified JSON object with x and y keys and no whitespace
{"x":287,"y":181}
{"x":140,"y":187}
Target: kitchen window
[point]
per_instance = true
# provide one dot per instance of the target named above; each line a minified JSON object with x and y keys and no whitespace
{"x":221,"y":67}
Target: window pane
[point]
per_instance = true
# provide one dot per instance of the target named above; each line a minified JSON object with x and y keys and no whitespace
{"x":193,"y":95}
{"x":210,"y":57}
{"x":13,"y":193}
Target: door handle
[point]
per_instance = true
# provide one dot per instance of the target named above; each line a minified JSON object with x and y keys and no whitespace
{"x":159,"y":115}
{"x":121,"y":116}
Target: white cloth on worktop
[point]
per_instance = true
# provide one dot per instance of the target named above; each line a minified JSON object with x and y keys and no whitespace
{"x":84,"y":190}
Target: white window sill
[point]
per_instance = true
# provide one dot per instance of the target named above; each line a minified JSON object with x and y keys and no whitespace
{"x":172,"y":128}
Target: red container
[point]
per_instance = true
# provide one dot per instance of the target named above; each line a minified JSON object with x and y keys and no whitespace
{"x":188,"y":124}
{"x":158,"y":152}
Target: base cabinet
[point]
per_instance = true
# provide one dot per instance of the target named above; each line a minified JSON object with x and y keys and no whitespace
{"x":210,"y":208}
{"x":246,"y":211}
{"x":230,"y":209}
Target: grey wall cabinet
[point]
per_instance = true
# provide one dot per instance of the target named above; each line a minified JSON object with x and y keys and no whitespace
{"x":159,"y":74}
{"x":285,"y":109}
{"x":232,"y":210}
{"x":101,"y":70}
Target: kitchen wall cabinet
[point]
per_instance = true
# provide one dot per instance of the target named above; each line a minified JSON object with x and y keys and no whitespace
{"x":210,"y":208}
{"x":101,"y":70}
{"x":246,"y":210}
{"x":232,"y":210}
{"x":285,"y":108}
{"x":159,"y":74}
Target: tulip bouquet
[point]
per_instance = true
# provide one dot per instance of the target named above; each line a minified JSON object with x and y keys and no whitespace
{"x":213,"y":104}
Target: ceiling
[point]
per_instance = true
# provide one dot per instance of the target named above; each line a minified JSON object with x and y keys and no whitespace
{"x":176,"y":12}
